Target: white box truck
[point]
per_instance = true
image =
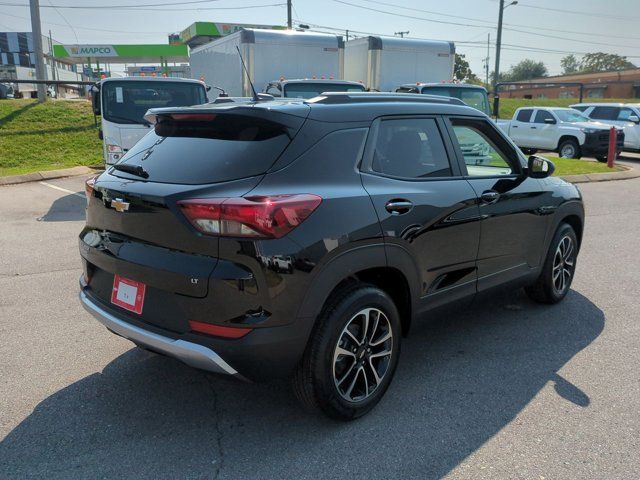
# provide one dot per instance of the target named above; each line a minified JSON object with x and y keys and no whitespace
{"x":269,"y":55}
{"x":384,"y":63}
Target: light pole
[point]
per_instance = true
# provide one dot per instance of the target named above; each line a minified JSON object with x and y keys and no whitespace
{"x":496,"y":71}
{"x":36,"y":33}
{"x":289,"y":22}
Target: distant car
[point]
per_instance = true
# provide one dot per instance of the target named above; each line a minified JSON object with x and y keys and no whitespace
{"x":310,"y":87}
{"x":365,"y":199}
{"x":622,"y":115}
{"x":6,"y":91}
{"x":563,"y":130}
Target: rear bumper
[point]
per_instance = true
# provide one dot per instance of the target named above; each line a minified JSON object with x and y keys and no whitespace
{"x":192,"y":354}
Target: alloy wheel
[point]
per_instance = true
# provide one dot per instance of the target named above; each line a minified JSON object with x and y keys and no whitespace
{"x":563,"y":265}
{"x":362,"y":355}
{"x":568,"y":151}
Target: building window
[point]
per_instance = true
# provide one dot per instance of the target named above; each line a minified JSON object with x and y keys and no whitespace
{"x":595,"y":92}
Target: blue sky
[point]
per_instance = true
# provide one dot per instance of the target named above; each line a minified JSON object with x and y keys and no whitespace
{"x":531,"y":30}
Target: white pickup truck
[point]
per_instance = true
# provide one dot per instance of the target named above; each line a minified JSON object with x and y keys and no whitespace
{"x":563,"y":130}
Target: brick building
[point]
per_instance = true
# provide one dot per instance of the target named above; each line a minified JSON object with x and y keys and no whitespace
{"x":621,"y":84}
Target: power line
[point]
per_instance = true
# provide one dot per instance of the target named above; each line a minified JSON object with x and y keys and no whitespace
{"x":471,"y":25}
{"x":189,"y":2}
{"x":66,"y":21}
{"x":588,"y":14}
{"x":145,"y":8}
{"x":492,"y":24}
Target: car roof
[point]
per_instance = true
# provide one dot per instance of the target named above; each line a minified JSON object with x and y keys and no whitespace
{"x":344,"y":107}
{"x":435,"y":84}
{"x":600,"y":104}
{"x":318,"y":80}
{"x":150,"y":79}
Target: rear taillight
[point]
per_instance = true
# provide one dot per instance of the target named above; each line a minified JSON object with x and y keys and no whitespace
{"x":218,"y":330}
{"x":255,"y":217}
{"x":88,"y":187}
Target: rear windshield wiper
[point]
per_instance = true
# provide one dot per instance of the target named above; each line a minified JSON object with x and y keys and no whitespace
{"x":132,"y":121}
{"x":134,"y":169}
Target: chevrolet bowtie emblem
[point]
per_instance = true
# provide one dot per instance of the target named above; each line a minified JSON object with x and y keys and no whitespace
{"x":120,"y":205}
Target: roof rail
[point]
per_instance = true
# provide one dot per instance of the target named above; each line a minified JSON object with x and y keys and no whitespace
{"x":374,"y":97}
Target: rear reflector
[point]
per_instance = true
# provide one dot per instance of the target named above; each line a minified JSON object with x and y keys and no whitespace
{"x":253,"y":217}
{"x":88,"y":187}
{"x":217,"y":330}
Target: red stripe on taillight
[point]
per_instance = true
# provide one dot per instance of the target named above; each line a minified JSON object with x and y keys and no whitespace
{"x":254,"y":217}
{"x":217,"y":330}
{"x":193,"y":117}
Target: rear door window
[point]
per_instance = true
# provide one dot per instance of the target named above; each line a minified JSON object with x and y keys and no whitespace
{"x":524,"y":115}
{"x":213,"y":149}
{"x":605,"y":113}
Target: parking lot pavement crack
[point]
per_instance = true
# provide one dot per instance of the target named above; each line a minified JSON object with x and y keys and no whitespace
{"x":219,"y":463}
{"x":28,"y":274}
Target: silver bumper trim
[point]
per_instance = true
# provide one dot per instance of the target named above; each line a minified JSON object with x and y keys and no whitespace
{"x":190,"y":353}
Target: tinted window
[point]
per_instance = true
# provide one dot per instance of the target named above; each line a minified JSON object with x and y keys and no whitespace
{"x":474,"y":97}
{"x":581,"y":108}
{"x":410,"y":148}
{"x":218,"y":150}
{"x":310,"y":90}
{"x":485,"y":152}
{"x":605,"y":113}
{"x":128,"y":101}
{"x":407,"y":90}
{"x":524,"y":115}
{"x":542,"y":115}
{"x":624,"y":114}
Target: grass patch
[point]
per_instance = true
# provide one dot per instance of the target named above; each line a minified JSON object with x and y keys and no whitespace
{"x":509,"y":105}
{"x":571,"y":166}
{"x":56,"y":134}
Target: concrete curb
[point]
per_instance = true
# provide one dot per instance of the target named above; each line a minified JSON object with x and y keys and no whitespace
{"x":625,"y":174}
{"x":46,"y":175}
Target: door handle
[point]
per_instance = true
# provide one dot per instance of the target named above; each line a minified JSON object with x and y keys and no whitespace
{"x":514,"y":126}
{"x":489,"y":196}
{"x":534,"y":127}
{"x":398,"y":206}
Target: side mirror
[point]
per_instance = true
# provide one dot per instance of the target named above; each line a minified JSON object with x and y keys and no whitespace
{"x":634,"y":118}
{"x":550,"y":120}
{"x":540,"y":167}
{"x":95,"y":101}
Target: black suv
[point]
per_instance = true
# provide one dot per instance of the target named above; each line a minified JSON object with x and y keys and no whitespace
{"x":302,"y":239}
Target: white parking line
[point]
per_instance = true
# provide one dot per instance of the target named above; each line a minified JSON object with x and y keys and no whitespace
{"x":51,"y":185}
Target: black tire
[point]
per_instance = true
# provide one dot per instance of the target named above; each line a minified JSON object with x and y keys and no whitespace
{"x":313,"y":381}
{"x":601,"y":158}
{"x":545,"y":290}
{"x":569,"y":145}
{"x":529,"y":151}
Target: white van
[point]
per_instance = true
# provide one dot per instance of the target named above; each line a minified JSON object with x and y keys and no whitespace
{"x":624,"y":115}
{"x":123,"y":102}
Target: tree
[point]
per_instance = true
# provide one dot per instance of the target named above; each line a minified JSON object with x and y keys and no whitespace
{"x":462,"y":71}
{"x":570,"y":64}
{"x":604,"y":62}
{"x":525,"y":70}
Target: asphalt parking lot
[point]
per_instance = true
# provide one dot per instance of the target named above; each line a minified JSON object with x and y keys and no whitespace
{"x":507,"y":389}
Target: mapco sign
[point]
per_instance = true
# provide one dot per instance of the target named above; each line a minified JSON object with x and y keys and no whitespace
{"x":90,"y":50}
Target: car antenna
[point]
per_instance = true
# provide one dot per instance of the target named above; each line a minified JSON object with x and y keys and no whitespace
{"x":255,"y":95}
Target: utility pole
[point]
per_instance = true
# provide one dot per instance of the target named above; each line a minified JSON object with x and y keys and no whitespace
{"x":53,"y":64}
{"x":496,"y":70}
{"x":347,"y":32}
{"x":36,"y":33}
{"x":289,"y":23}
{"x":402,"y":34}
{"x":486,"y":60}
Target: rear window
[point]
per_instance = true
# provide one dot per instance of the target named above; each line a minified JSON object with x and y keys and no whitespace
{"x":128,"y":101}
{"x":524,"y":115}
{"x":217,"y":149}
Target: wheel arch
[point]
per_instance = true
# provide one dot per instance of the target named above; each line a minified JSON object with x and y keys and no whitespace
{"x":398,"y":278}
{"x":567,"y":137}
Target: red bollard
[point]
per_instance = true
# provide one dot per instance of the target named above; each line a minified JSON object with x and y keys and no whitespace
{"x":611,"y":153}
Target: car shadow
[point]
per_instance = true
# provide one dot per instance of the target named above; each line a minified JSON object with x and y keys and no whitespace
{"x":460,"y":380}
{"x":69,"y":208}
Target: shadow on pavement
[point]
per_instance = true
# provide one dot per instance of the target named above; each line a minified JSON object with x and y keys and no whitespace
{"x":458,"y":383}
{"x":69,"y":208}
